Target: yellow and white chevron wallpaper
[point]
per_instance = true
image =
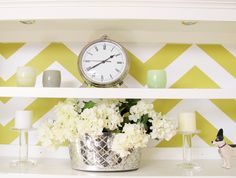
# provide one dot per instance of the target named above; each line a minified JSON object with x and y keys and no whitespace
{"x":187,"y":66}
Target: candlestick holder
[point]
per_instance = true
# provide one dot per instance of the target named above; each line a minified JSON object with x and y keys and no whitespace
{"x":187,"y":150}
{"x":23,"y":160}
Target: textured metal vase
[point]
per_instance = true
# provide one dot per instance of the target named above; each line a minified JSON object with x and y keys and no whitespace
{"x":95,"y":154}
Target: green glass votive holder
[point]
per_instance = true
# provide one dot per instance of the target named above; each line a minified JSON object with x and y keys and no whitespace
{"x":156,"y":78}
{"x":25,"y":76}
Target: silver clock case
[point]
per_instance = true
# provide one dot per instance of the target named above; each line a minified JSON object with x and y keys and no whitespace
{"x":103,"y":84}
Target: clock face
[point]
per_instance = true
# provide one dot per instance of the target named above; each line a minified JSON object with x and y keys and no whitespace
{"x":103,"y":63}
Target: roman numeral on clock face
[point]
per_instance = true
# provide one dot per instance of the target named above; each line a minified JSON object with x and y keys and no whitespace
{"x":88,"y":68}
{"x":117,"y":70}
{"x":104,"y":46}
{"x":96,"y":48}
{"x":112,"y":48}
{"x":90,"y":53}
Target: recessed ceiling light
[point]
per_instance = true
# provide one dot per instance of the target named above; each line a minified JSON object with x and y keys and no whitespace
{"x":27,"y":22}
{"x":189,"y":22}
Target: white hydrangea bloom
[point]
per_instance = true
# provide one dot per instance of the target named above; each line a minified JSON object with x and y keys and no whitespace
{"x":76,"y":103}
{"x":63,"y":128}
{"x":162,"y":128}
{"x":110,"y":115}
{"x":140,"y":109}
{"x":110,"y":102}
{"x":120,"y":145}
{"x":45,"y":135}
{"x":67,"y":115}
{"x":92,"y":121}
{"x":89,"y":123}
{"x":134,"y":136}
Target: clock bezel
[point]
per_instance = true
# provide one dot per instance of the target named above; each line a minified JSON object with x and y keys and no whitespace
{"x":103,"y":84}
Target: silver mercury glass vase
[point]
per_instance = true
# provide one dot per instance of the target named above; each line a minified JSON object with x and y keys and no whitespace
{"x":95,"y":154}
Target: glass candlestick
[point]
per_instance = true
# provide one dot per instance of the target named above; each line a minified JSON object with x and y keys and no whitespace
{"x":187,"y":150}
{"x":23,"y":160}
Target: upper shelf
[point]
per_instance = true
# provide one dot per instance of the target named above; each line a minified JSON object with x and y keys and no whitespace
{"x":124,"y":31}
{"x":123,"y":20}
{"x":118,"y":93}
{"x":214,"y":10}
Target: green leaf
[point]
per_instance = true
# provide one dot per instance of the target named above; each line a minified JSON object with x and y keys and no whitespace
{"x":112,"y":131}
{"x":125,"y":121}
{"x":88,"y":105}
{"x":124,"y":108}
{"x":144,"y":119}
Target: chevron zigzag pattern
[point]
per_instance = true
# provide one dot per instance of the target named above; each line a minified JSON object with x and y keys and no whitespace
{"x":187,"y":66}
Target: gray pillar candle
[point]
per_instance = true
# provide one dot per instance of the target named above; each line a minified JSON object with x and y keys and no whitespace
{"x":51,"y":78}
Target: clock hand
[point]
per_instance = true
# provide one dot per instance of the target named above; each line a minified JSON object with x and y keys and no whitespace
{"x":94,"y":60}
{"x":102,"y":62}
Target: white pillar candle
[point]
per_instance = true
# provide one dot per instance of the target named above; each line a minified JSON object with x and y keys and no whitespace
{"x":187,"y":122}
{"x":23,"y":119}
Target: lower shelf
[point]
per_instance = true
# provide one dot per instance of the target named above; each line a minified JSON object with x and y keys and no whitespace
{"x":51,"y":168}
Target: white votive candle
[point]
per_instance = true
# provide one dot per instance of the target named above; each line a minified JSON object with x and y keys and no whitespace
{"x":23,"y":119}
{"x":187,"y":122}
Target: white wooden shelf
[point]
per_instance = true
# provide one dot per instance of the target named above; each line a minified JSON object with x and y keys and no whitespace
{"x":121,"y":30}
{"x":216,"y":10}
{"x":155,"y":162}
{"x":143,"y":93}
{"x":54,"y":168}
{"x":135,"y":21}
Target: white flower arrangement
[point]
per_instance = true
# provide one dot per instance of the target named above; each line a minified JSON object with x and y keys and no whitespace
{"x":134,"y":122}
